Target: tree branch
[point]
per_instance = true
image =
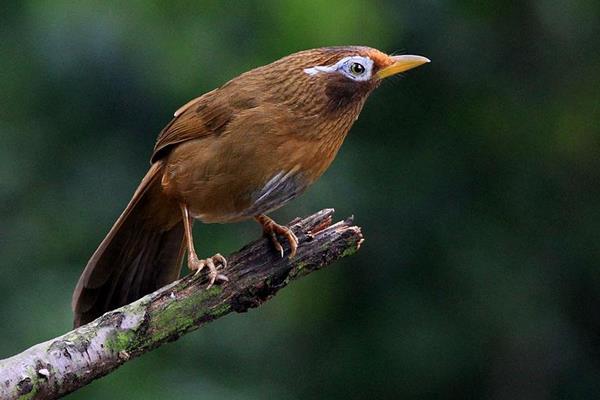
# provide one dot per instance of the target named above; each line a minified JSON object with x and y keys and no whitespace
{"x":59,"y":366}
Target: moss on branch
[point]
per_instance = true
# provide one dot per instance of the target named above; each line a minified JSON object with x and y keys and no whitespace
{"x":59,"y":366}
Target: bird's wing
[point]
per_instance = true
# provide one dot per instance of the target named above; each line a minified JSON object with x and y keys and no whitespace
{"x":206,"y":115}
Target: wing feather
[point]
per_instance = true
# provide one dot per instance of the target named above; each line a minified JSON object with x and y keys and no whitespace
{"x":206,"y":115}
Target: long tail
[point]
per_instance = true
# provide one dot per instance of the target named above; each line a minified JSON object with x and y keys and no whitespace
{"x":141,"y":253}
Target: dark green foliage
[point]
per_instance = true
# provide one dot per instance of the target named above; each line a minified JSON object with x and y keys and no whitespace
{"x":476,"y":180}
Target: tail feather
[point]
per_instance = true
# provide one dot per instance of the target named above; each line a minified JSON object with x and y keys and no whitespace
{"x":141,"y":253}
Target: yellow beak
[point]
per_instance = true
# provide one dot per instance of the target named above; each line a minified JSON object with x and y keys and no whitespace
{"x":401,"y":64}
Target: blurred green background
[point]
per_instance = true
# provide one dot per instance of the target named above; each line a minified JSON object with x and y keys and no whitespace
{"x":476,"y":180}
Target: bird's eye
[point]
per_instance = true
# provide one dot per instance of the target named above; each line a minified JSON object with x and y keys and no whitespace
{"x":357,"y":69}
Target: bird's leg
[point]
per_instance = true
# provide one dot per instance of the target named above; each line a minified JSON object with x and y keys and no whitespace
{"x":194,"y":263}
{"x":272,"y":228}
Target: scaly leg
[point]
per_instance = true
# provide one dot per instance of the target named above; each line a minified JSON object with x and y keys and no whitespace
{"x":194,"y":263}
{"x":272,"y":228}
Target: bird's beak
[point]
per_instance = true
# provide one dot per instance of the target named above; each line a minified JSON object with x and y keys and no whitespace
{"x":401,"y":64}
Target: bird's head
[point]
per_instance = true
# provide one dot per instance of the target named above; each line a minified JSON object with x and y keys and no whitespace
{"x":359,"y":65}
{"x":333,"y":80}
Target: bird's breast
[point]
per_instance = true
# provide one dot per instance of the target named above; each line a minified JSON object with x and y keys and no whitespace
{"x":253,"y":169}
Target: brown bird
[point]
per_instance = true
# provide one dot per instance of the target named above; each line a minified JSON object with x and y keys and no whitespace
{"x":237,"y":152}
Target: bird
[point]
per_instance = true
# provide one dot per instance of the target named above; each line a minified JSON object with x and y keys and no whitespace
{"x":234,"y":153}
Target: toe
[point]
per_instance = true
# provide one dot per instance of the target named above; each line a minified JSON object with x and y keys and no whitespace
{"x":222,"y":260}
{"x":196,"y":266}
{"x":212,"y":274}
{"x":276,"y":243}
{"x":293,"y":240}
{"x":293,"y":249}
{"x":278,"y":247}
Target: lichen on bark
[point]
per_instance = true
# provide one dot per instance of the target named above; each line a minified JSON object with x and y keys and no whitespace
{"x":59,"y":366}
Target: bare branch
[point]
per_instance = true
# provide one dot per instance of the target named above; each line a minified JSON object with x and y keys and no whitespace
{"x":59,"y":366}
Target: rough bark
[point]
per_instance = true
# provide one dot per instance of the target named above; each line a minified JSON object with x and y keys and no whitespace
{"x":59,"y":366}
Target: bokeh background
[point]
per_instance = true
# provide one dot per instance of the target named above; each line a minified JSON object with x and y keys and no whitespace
{"x":476,"y":180}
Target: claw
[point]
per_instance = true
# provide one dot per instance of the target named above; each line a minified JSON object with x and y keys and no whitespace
{"x":212,"y":274}
{"x":196,"y":265}
{"x":272,"y":229}
{"x":220,"y":259}
{"x":276,"y":243}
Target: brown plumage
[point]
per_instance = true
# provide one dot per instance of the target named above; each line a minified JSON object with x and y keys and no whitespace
{"x":234,"y":153}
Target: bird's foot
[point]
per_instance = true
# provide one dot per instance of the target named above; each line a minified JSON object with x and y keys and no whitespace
{"x":196,"y":265}
{"x":271,"y":229}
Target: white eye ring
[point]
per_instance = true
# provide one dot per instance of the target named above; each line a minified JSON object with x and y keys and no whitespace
{"x":346,"y":67}
{"x":349,"y":63}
